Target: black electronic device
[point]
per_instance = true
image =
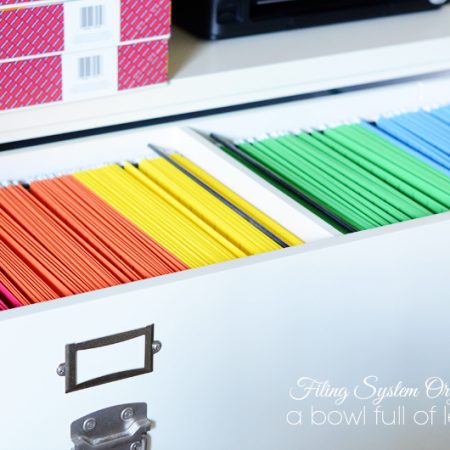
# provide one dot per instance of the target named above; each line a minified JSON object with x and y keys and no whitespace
{"x":216,"y":19}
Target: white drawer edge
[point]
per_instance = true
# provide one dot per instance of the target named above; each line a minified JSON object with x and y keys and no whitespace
{"x":329,"y":110}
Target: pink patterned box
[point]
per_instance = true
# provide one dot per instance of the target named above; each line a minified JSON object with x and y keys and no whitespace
{"x":143,"y":64}
{"x":81,"y":75}
{"x":141,"y":19}
{"x":31,"y":30}
{"x":17,"y":2}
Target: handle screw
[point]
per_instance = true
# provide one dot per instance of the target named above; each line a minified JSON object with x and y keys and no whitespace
{"x":61,"y":370}
{"x":156,"y":346}
{"x":136,"y":446}
{"x":89,"y":424}
{"x":127,"y":414}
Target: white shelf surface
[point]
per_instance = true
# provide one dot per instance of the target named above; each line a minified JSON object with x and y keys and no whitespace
{"x":206,"y":75}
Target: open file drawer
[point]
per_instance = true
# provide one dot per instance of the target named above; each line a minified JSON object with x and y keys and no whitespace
{"x":237,"y":337}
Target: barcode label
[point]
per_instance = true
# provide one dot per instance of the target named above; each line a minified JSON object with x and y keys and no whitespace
{"x":89,"y":73}
{"x":90,"y":24}
{"x":89,"y":67}
{"x":92,"y":17}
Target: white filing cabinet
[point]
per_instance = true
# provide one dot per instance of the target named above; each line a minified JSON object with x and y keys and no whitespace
{"x":236,"y":337}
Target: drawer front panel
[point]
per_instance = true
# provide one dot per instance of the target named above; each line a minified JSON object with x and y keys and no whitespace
{"x":236,"y":338}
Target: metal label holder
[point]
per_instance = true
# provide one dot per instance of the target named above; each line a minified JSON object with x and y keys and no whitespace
{"x":69,"y":369}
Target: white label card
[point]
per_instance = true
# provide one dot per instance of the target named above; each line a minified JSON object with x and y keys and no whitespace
{"x":89,"y":74}
{"x":91,"y":24}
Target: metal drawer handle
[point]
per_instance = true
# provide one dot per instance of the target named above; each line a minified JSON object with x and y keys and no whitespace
{"x":121,"y":427}
{"x":69,"y":368}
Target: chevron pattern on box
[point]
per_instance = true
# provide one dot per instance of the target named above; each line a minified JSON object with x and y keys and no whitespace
{"x":31,"y":31}
{"x":30,"y":82}
{"x":141,"y":19}
{"x":143,"y":64}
